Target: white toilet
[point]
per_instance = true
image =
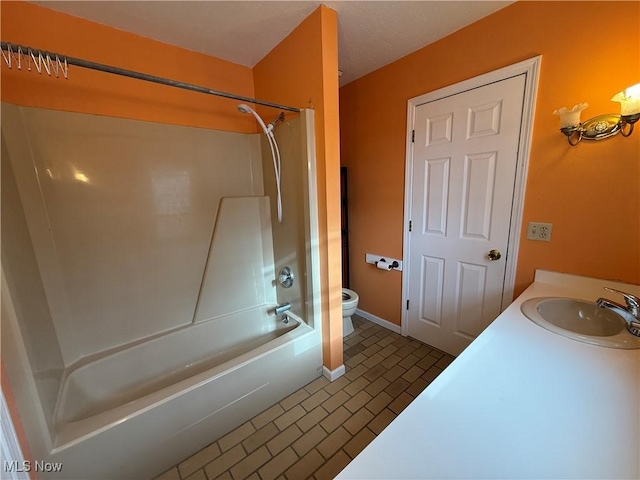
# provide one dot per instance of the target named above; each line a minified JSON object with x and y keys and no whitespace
{"x":349,"y":306}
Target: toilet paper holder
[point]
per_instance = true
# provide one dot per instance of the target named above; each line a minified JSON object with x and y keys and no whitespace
{"x":392,"y":263}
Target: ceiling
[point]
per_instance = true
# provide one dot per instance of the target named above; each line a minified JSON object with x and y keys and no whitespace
{"x":371,"y":34}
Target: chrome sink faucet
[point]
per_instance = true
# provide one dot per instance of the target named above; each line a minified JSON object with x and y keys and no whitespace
{"x":630,"y":312}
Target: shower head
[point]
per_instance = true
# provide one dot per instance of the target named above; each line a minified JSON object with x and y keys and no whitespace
{"x":268,"y":128}
{"x":244,"y":108}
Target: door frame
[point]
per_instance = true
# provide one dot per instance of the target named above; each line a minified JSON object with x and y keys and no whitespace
{"x":531,"y":69}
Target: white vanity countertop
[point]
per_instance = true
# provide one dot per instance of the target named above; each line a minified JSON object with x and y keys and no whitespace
{"x":520,"y":402}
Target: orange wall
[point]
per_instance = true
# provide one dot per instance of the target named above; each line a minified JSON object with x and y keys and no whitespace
{"x":89,"y":91}
{"x":303,"y":71}
{"x":590,"y":193}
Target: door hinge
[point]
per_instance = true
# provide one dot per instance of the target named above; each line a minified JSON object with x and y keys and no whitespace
{"x":413,"y":136}
{"x":410,"y":225}
{"x":407,"y":304}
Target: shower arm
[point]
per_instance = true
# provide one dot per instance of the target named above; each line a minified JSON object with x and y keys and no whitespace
{"x":275,"y":121}
{"x":51,"y":61}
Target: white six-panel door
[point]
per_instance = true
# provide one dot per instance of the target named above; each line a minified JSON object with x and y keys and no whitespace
{"x":464,"y":160}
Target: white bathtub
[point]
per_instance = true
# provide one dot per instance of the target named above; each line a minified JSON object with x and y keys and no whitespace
{"x":136,"y":412}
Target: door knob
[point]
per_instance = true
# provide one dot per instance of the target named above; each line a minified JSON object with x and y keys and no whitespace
{"x":494,"y":255}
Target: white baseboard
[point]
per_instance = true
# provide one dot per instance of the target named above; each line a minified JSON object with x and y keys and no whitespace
{"x":332,"y":375}
{"x":379,"y":321}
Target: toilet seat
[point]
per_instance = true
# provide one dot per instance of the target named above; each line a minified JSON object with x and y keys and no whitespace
{"x":351,"y":298}
{"x":349,"y":307}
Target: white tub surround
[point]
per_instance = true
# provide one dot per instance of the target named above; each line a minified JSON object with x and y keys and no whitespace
{"x":520,"y":402}
{"x":240,"y":264}
{"x":120,"y":214}
{"x":138,"y":297}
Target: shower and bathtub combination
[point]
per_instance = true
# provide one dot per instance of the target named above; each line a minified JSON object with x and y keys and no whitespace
{"x":140,"y":278}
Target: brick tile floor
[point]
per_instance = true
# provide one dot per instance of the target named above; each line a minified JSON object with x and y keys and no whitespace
{"x":316,"y":431}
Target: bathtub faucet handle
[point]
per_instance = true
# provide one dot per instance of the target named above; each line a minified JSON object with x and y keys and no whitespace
{"x":285,"y":277}
{"x":280,"y":309}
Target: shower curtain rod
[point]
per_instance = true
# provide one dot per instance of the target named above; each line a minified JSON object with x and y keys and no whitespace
{"x":56,"y":61}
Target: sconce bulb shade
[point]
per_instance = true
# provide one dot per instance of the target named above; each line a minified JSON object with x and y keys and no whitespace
{"x":570,"y":117}
{"x":629,"y":100}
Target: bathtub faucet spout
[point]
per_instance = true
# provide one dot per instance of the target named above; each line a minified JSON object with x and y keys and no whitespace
{"x":280,"y":309}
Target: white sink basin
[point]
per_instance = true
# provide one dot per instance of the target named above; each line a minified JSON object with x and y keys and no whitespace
{"x":580,"y":320}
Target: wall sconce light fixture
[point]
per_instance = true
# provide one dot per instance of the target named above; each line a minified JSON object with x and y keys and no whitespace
{"x":601,"y":126}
